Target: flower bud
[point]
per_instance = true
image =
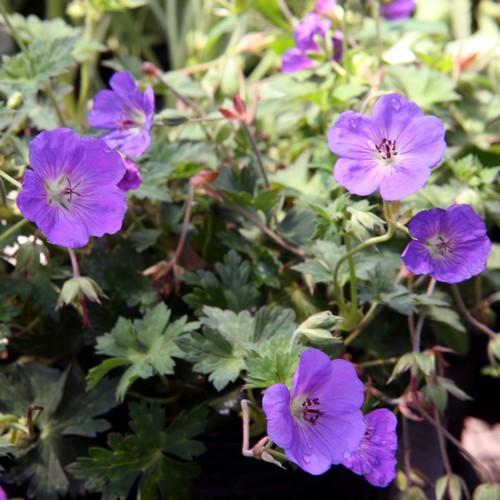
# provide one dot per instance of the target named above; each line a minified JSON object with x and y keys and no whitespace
{"x":319,"y":326}
{"x":76,"y":289}
{"x":76,"y":10}
{"x":15,"y":100}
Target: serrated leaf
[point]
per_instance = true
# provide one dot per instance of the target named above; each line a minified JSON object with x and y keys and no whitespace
{"x":47,"y":59}
{"x":67,"y":412}
{"x":149,"y":456}
{"x":404,"y":363}
{"x":273,"y":368}
{"x":230,"y":288}
{"x":148,"y":344}
{"x":229,"y":338}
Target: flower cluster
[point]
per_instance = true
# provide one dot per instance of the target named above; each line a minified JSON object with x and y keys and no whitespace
{"x":320,"y":424}
{"x":76,"y":186}
{"x":393,"y":152}
{"x":310,"y":34}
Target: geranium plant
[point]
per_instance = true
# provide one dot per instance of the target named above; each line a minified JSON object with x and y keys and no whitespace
{"x":275,"y":220}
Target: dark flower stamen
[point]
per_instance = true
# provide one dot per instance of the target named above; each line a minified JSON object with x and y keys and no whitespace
{"x":309,"y":414}
{"x":387,"y":149}
{"x":70,"y":190}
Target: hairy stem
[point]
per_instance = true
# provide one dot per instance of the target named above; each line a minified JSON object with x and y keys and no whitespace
{"x":358,"y":248}
{"x":55,"y":105}
{"x":13,"y":32}
{"x":467,"y":314}
{"x":442,"y":443}
{"x":420,"y":323}
{"x":367,"y":318}
{"x":10,"y":179}
{"x":257,"y":154}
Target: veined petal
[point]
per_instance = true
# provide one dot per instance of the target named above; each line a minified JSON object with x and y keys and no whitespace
{"x":354,"y":136}
{"x":426,"y":223}
{"x":361,"y":177}
{"x":402,"y":179}
{"x":295,"y":60}
{"x":394,"y":113}
{"x":422,"y":142}
{"x":280,"y":425}
{"x":417,"y":258}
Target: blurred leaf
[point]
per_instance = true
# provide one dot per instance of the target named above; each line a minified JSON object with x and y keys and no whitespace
{"x":231,"y":288}
{"x":67,"y":412}
{"x":422,"y":85}
{"x":46,"y":59}
{"x":150,"y":456}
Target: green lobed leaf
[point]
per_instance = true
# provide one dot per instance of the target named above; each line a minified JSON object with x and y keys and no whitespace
{"x":147,"y":346}
{"x":228,"y":339}
{"x":153,"y":456}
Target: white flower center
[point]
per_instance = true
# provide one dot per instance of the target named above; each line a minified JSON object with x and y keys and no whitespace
{"x":306,"y":409}
{"x":440,"y":246}
{"x":61,"y":191}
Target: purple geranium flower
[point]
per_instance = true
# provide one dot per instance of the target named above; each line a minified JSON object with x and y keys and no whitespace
{"x":126,"y":113}
{"x":324,"y":6}
{"x":397,"y":10}
{"x":308,"y":29}
{"x":394,"y":150}
{"x":71,"y":191}
{"x":132,"y":178}
{"x":450,"y":245}
{"x":375,"y":456}
{"x":3,"y":495}
{"x":295,"y":60}
{"x":298,"y":60}
{"x":321,"y":419}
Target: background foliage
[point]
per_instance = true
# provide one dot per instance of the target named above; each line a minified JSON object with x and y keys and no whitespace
{"x":120,"y":407}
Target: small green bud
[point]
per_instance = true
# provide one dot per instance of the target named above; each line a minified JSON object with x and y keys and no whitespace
{"x":15,"y":100}
{"x":319,"y":326}
{"x":75,"y":289}
{"x":76,"y":10}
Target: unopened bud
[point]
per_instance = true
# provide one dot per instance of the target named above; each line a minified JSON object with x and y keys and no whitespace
{"x":15,"y":100}
{"x":150,"y":69}
{"x":76,"y":9}
{"x":319,"y":326}
{"x":203,"y":178}
{"x":76,"y":289}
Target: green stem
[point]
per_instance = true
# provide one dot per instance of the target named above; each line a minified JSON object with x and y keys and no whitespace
{"x":378,"y":362}
{"x":376,"y":15}
{"x":13,"y":229}
{"x":367,"y":318}
{"x":85,"y":68}
{"x":55,"y":105}
{"x":442,"y":443}
{"x":468,"y":316}
{"x":277,"y":455}
{"x":257,"y":154}
{"x":352,"y":275}
{"x":339,"y":295}
{"x":13,"y":32}
{"x":10,"y":179}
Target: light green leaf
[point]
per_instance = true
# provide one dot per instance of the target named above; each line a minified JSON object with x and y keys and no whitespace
{"x":149,"y":346}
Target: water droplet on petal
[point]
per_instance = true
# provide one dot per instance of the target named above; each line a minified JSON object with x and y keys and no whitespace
{"x":347,"y":455}
{"x":395,"y":104}
{"x":353,"y":124}
{"x":307,"y":459}
{"x":384,"y":442}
